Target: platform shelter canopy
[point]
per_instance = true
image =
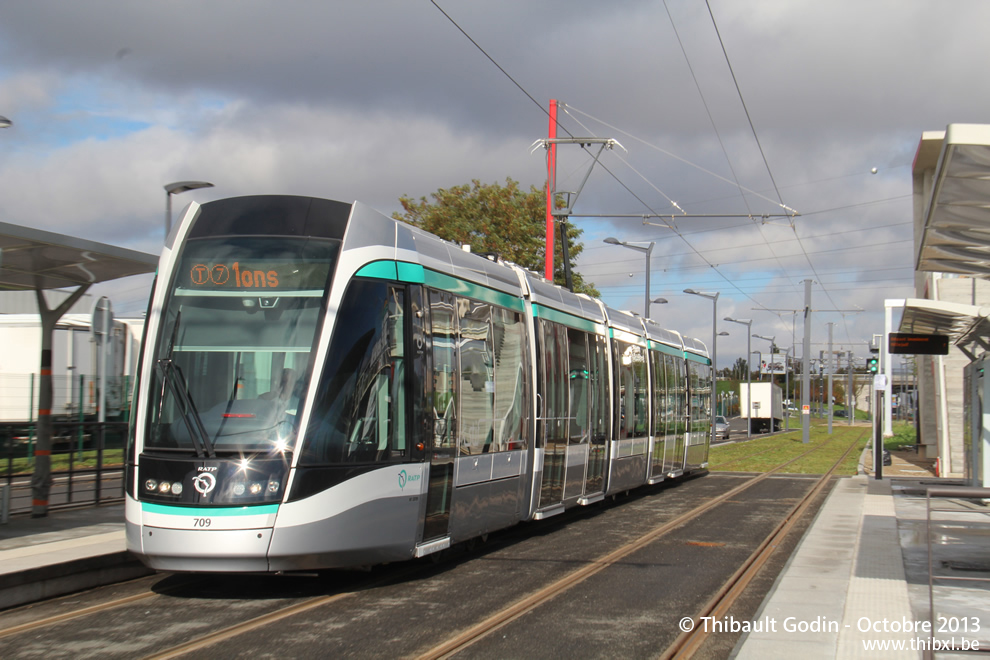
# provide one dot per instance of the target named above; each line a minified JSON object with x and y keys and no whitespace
{"x":956,"y":229}
{"x":963,"y":324}
{"x":35,"y":259}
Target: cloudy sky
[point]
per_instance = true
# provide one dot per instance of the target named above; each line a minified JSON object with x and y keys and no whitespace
{"x":727,"y":108}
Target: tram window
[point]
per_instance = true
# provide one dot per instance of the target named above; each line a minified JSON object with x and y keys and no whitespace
{"x":359,"y":412}
{"x":601,"y":398}
{"x":631,"y":385}
{"x":680,"y":398}
{"x":700,"y":384}
{"x":223,"y":342}
{"x":477,"y":380}
{"x":444,"y":330}
{"x":555,"y":370}
{"x":578,"y":390}
{"x":659,"y":389}
{"x":670,"y":408}
{"x":511,"y":381}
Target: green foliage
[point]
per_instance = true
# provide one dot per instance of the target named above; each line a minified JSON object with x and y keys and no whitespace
{"x":905,"y":435}
{"x":505,"y":220}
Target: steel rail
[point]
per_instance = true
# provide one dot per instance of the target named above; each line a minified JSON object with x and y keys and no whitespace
{"x":687,"y":643}
{"x":263,"y":620}
{"x":453,"y":645}
{"x":525,"y":605}
{"x":85,"y":611}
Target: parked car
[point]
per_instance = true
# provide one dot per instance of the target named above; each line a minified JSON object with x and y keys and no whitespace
{"x":721,"y":428}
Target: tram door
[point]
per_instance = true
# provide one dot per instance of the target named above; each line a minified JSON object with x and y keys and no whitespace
{"x":443,"y":320}
{"x":676,"y":438}
{"x":658,"y":366}
{"x":601,"y":413}
{"x":574,"y":445}
{"x":553,"y":390}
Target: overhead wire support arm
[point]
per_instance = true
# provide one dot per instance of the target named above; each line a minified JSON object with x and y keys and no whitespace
{"x":605,"y":143}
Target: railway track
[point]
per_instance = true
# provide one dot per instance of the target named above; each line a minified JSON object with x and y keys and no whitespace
{"x":294,"y":608}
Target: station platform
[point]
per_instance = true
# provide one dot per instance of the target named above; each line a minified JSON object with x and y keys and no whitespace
{"x":855,"y":587}
{"x":69,"y":550}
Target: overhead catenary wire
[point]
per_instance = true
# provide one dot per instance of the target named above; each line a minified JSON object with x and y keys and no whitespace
{"x":674,"y":228}
{"x":779,"y":201}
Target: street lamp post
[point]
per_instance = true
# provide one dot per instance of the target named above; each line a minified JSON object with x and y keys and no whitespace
{"x":713,"y":296}
{"x":175,"y":189}
{"x":639,"y":248}
{"x":5,"y":123}
{"x":749,"y":370}
{"x":773,"y":347}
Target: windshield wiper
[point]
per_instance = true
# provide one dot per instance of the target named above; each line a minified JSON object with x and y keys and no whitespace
{"x":176,"y":382}
{"x":173,"y":379}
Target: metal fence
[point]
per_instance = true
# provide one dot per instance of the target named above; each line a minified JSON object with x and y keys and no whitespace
{"x":87,"y":463}
{"x":73,"y":398}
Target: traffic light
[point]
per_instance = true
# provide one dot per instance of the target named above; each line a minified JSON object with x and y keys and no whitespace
{"x":873,"y":364}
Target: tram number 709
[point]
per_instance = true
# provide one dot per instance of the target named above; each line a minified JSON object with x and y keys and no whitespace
{"x":202,"y":522}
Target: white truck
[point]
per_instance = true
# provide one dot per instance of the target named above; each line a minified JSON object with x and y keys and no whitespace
{"x":766,"y":411}
{"x":74,"y":366}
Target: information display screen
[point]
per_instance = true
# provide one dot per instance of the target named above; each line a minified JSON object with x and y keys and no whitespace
{"x":253,"y":275}
{"x":909,"y":344}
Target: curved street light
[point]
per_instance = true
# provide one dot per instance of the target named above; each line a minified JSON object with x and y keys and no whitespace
{"x":749,"y":369}
{"x":713,"y":296}
{"x":611,"y":240}
{"x":5,"y":123}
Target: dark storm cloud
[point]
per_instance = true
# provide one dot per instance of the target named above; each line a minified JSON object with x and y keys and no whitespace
{"x":373,"y":100}
{"x":403,"y":56}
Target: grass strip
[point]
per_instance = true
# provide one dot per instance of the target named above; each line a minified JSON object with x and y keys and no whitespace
{"x":764,"y":454}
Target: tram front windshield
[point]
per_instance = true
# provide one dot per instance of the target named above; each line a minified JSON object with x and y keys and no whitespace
{"x":232,"y":359}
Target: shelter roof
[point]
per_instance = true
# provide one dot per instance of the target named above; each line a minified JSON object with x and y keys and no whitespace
{"x":963,"y":324}
{"x":32,"y":258}
{"x":955,"y":234}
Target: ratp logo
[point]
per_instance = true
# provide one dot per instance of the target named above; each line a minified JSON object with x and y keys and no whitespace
{"x":405,"y":477}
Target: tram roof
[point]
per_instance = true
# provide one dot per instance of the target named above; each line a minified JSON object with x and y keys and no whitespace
{"x":36,"y":259}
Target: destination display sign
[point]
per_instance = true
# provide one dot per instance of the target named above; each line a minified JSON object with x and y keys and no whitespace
{"x":255,"y":275}
{"x":910,"y":344}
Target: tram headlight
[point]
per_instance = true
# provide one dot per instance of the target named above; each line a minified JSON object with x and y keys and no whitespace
{"x":255,"y":488}
{"x":164,"y":487}
{"x":177,"y":488}
{"x":273,"y":486}
{"x":151,"y":485}
{"x":238,"y":489}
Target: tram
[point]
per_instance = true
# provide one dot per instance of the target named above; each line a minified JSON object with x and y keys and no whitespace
{"x":322,"y":386}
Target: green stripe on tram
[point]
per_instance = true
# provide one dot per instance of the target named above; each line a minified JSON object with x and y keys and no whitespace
{"x":570,"y":320}
{"x":663,"y":348}
{"x":697,"y":358}
{"x":200,"y":512}
{"x":384,"y":270}
{"x":402,"y":271}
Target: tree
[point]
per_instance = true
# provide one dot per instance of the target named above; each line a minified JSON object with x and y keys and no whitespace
{"x":738,"y":370}
{"x":495,"y":218}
